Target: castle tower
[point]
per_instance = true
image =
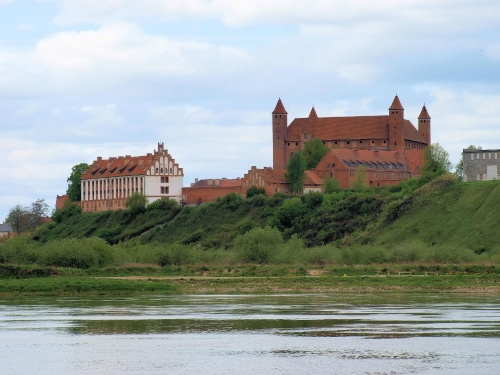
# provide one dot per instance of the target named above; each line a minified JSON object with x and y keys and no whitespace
{"x":396,"y":119}
{"x":280,"y":124}
{"x":424,"y":125}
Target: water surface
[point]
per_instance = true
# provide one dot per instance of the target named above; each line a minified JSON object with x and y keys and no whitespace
{"x":252,"y":334}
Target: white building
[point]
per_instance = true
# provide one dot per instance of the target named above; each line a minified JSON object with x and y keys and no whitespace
{"x":107,"y":184}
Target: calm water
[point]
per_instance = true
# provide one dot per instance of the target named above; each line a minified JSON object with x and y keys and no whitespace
{"x":274,"y":334}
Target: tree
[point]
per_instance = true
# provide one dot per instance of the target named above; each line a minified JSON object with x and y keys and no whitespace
{"x":459,"y":168}
{"x":19,"y":218}
{"x":436,"y":161}
{"x":296,"y":171}
{"x":136,"y":203}
{"x":314,"y":151}
{"x":360,"y":175}
{"x":39,"y":210}
{"x":330,"y":184}
{"x":74,"y":182}
{"x":253,"y":191}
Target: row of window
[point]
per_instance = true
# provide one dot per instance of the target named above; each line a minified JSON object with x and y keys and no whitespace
{"x":372,"y":164}
{"x":164,"y":189}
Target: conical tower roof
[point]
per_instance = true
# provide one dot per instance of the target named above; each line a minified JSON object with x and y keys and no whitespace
{"x":424,"y":113}
{"x":313,"y":113}
{"x":280,"y":108}
{"x":396,"y":104}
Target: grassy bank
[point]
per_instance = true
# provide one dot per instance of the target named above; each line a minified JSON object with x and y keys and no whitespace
{"x":19,"y":280}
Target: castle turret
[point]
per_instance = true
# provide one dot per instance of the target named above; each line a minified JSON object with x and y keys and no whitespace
{"x":280,"y":124}
{"x":424,"y":125}
{"x":396,"y":119}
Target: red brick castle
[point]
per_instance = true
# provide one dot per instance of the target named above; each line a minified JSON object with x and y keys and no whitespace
{"x":391,"y":132}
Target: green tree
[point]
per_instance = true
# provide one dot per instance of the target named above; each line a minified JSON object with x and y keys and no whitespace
{"x":39,"y":210}
{"x":459,"y":168}
{"x":330,"y":185}
{"x":74,"y":182}
{"x":436,"y":161}
{"x":253,"y":191}
{"x":136,"y":203}
{"x":314,"y":151}
{"x":296,"y":171}
{"x":19,"y":218}
{"x":258,"y":245}
{"x":360,"y":177}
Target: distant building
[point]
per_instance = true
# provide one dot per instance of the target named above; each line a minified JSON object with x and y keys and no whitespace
{"x":6,"y":230}
{"x":61,"y":200}
{"x":390,"y":132}
{"x":210,"y":189}
{"x":481,"y":165}
{"x":108,"y":183}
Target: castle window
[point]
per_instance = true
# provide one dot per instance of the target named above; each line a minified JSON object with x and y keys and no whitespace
{"x":392,"y":112}
{"x":373,"y":142}
{"x":333,"y":165}
{"x":280,"y":116}
{"x":162,"y":190}
{"x":166,"y":180}
{"x":327,"y":165}
{"x":385,"y":141}
{"x":276,"y":116}
{"x":360,"y":141}
{"x":348,"y":142}
{"x":296,"y":143}
{"x":336,"y":142}
{"x":288,"y":143}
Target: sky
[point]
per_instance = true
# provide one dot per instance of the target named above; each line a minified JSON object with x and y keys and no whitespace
{"x":87,"y":78}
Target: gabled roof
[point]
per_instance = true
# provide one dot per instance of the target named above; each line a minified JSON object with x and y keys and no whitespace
{"x":5,"y":228}
{"x":277,"y":176}
{"x":424,"y":113}
{"x":396,"y":104}
{"x":349,"y":128}
{"x":340,"y":128}
{"x":280,"y":108}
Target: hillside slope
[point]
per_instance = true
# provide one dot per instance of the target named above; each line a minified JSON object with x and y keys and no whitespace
{"x":463,"y":214}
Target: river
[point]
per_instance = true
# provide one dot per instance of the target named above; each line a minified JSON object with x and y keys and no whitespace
{"x":382,"y":333}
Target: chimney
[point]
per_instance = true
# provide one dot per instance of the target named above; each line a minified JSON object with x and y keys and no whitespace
{"x":195,"y":180}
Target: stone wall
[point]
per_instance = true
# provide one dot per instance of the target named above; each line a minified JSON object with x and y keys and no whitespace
{"x":481,"y":165}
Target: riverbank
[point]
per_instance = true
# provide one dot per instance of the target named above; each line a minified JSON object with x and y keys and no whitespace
{"x":250,"y":279}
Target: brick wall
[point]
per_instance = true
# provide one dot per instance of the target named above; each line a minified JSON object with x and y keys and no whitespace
{"x":476,"y":164}
{"x":195,"y":195}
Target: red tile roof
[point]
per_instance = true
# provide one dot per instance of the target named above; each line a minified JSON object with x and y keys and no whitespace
{"x":396,"y":104}
{"x":280,"y":108}
{"x":372,"y":159}
{"x":424,"y":113}
{"x":277,"y":176}
{"x":348,"y":128}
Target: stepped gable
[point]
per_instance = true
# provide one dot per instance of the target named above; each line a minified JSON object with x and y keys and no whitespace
{"x":396,"y":104}
{"x":280,"y":108}
{"x":341,"y":128}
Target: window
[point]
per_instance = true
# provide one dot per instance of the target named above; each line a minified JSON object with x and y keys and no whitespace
{"x":166,"y":180}
{"x":385,"y":141}
{"x":296,"y":143}
{"x":162,"y":190}
{"x":348,"y":142}
{"x":166,"y":189}
{"x":288,"y":143}
{"x":373,"y":142}
{"x":327,"y":165}
{"x":331,"y":174}
{"x":161,"y":180}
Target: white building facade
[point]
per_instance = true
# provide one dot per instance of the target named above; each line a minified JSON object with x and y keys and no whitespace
{"x":107,"y":184}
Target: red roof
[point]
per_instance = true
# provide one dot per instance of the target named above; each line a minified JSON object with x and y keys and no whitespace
{"x":424,"y":113}
{"x":348,"y":128}
{"x":277,"y":176}
{"x":373,"y":159}
{"x":313,"y":113}
{"x":280,"y":108}
{"x":396,"y":104}
{"x":122,"y":166}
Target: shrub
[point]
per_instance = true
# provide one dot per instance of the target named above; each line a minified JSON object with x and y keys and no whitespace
{"x":81,"y":253}
{"x":20,"y":250}
{"x":163,"y":204}
{"x":176,"y":255}
{"x":253,"y":191}
{"x":69,"y":210}
{"x":136,"y":203}
{"x":257,"y":245}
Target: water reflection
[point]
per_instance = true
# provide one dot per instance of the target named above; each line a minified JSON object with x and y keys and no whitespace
{"x":363,"y":333}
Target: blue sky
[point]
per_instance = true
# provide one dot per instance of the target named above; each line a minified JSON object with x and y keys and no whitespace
{"x":81,"y":79}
